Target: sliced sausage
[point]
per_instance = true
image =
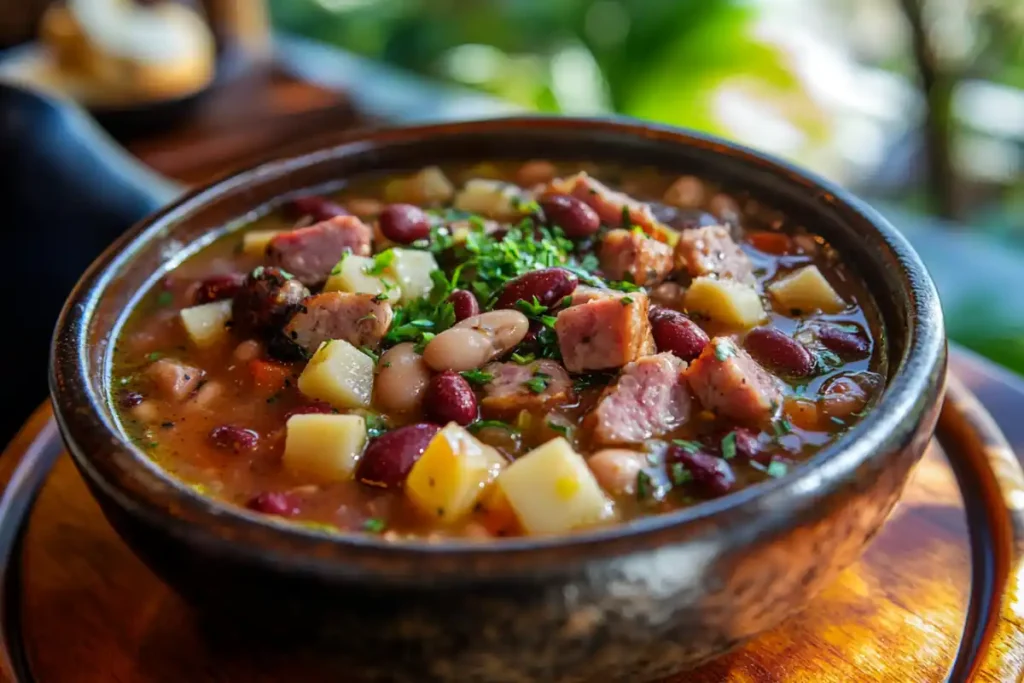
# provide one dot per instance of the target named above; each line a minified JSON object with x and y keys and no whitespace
{"x":515,"y":387}
{"x":711,"y":251}
{"x":633,"y":256}
{"x":650,"y":398}
{"x":359,"y":319}
{"x":727,"y":380}
{"x":173,"y":379}
{"x":606,"y":332}
{"x":267,"y":297}
{"x":310,"y":253}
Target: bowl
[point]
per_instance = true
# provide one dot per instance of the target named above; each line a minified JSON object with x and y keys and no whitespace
{"x":626,"y":603}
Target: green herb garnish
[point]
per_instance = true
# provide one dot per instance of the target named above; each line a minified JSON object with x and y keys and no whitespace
{"x":559,"y":428}
{"x":538,"y":383}
{"x":477,"y":377}
{"x":626,"y":300}
{"x":623,"y":286}
{"x":381,"y":262}
{"x":336,"y":270}
{"x":375,"y":425}
{"x":777,"y":469}
{"x":724,"y":350}
{"x":729,"y":446}
{"x":165,"y":299}
{"x":370,"y":352}
{"x":374,"y":525}
{"x":490,"y":424}
{"x":688,"y":446}
{"x":523,"y":359}
{"x":155,"y":355}
{"x":644,"y":486}
{"x":781,"y":427}
{"x":679,"y":474}
{"x":531,"y":308}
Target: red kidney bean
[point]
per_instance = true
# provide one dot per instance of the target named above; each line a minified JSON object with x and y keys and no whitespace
{"x":449,"y":398}
{"x":848,"y":345}
{"x":711,"y":475}
{"x":388,"y":458}
{"x":747,"y":444}
{"x":465,"y":304}
{"x":316,"y":408}
{"x":129,"y":399}
{"x":316,"y":207}
{"x":549,"y":286}
{"x":237,"y":439}
{"x":273,"y":503}
{"x":575,"y":218}
{"x":217,"y":288}
{"x":676,"y":333}
{"x":404,"y":223}
{"x":778,"y":351}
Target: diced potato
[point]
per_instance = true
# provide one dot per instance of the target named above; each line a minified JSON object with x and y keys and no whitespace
{"x":496,"y":515}
{"x":725,"y":301}
{"x":491,"y":198}
{"x":207,"y":324}
{"x":351,"y":276}
{"x":412,"y":269}
{"x":553,"y":491}
{"x":339,"y":374}
{"x":254,"y":242}
{"x":452,"y":474}
{"x":429,"y":186}
{"x":324,"y":448}
{"x":806,"y":290}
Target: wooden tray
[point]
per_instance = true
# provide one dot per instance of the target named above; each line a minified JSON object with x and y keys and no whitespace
{"x":936,"y":597}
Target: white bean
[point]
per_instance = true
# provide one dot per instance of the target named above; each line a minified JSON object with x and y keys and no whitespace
{"x":616,"y":469}
{"x":401,"y":380}
{"x":476,"y":341}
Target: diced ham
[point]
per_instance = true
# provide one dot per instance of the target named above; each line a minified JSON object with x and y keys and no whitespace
{"x":609,"y":205}
{"x":728,"y":381}
{"x":173,"y":379}
{"x":359,"y":319}
{"x":711,"y":251}
{"x":650,"y":399}
{"x":606,"y":332}
{"x":509,"y":392}
{"x":585,"y":293}
{"x":310,"y":253}
{"x":633,"y":256}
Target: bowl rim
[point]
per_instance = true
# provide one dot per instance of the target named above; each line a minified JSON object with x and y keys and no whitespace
{"x":266,"y":540}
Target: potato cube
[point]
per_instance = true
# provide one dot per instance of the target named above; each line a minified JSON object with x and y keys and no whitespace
{"x":725,"y":301}
{"x":254,"y":242}
{"x":553,"y":491}
{"x":412,"y":269}
{"x":339,"y":374}
{"x":429,"y":186}
{"x":207,"y":324}
{"x":324,"y":448}
{"x":491,"y":198}
{"x":806,"y":290}
{"x":452,"y":474}
{"x":351,"y":276}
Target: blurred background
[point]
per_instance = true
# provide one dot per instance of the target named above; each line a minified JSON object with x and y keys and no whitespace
{"x":918,"y":105}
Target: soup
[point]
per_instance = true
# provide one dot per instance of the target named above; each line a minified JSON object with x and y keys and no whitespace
{"x":498,"y":350}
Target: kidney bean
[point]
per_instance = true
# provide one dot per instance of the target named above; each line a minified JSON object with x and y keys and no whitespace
{"x":575,"y":218}
{"x":217,"y":288}
{"x":402,"y":378}
{"x":778,"y":351}
{"x":389,"y":457}
{"x":548,"y":286}
{"x":315,"y":408}
{"x":465,"y":304}
{"x":711,"y":475}
{"x":273,"y":503}
{"x":747,"y":444}
{"x":848,"y":345}
{"x":404,"y":223}
{"x":475,"y":341}
{"x":676,"y":333}
{"x":449,"y":398}
{"x":129,"y":399}
{"x":315,"y":207}
{"x":237,"y":439}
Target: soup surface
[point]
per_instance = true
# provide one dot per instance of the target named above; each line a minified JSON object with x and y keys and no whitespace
{"x":498,"y":350}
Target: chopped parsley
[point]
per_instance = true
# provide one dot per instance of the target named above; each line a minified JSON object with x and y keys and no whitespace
{"x":688,"y":446}
{"x":826,"y":360}
{"x":626,"y":300}
{"x":336,"y":270}
{"x":370,"y":352}
{"x":558,"y":428}
{"x":538,"y":383}
{"x":419,"y":320}
{"x":626,"y":219}
{"x":644,"y":486}
{"x":679,"y":474}
{"x":781,"y":427}
{"x":523,"y":359}
{"x":837,"y":420}
{"x":623,"y":286}
{"x":729,"y":446}
{"x":155,"y":355}
{"x":375,"y":425}
{"x":165,"y":299}
{"x":374,"y":525}
{"x":724,"y":350}
{"x":490,"y":424}
{"x":381,"y":262}
{"x":477,"y":377}
{"x":777,"y":469}
{"x":566,"y":300}
{"x":531,"y":308}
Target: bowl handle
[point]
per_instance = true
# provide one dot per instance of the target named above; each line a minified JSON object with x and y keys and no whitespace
{"x":68,"y":191}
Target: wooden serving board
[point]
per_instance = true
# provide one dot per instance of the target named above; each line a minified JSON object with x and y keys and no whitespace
{"x":936,"y":597}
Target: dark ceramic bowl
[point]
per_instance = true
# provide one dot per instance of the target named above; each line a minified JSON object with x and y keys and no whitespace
{"x":627,"y":603}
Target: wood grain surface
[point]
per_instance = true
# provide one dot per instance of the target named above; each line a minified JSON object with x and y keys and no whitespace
{"x":91,"y":612}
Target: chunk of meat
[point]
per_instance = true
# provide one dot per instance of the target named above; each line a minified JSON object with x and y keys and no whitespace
{"x":173,"y":379}
{"x":633,"y":256}
{"x":649,"y":399}
{"x":585,"y":293}
{"x":359,"y":319}
{"x":728,"y":381}
{"x":310,"y":253}
{"x":267,"y":297}
{"x":513,"y":388}
{"x":610,"y":206}
{"x":711,"y":251}
{"x":606,"y":332}
{"x":617,"y":469}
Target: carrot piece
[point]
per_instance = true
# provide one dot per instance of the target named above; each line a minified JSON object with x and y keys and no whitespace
{"x":769,"y":242}
{"x":267,"y":376}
